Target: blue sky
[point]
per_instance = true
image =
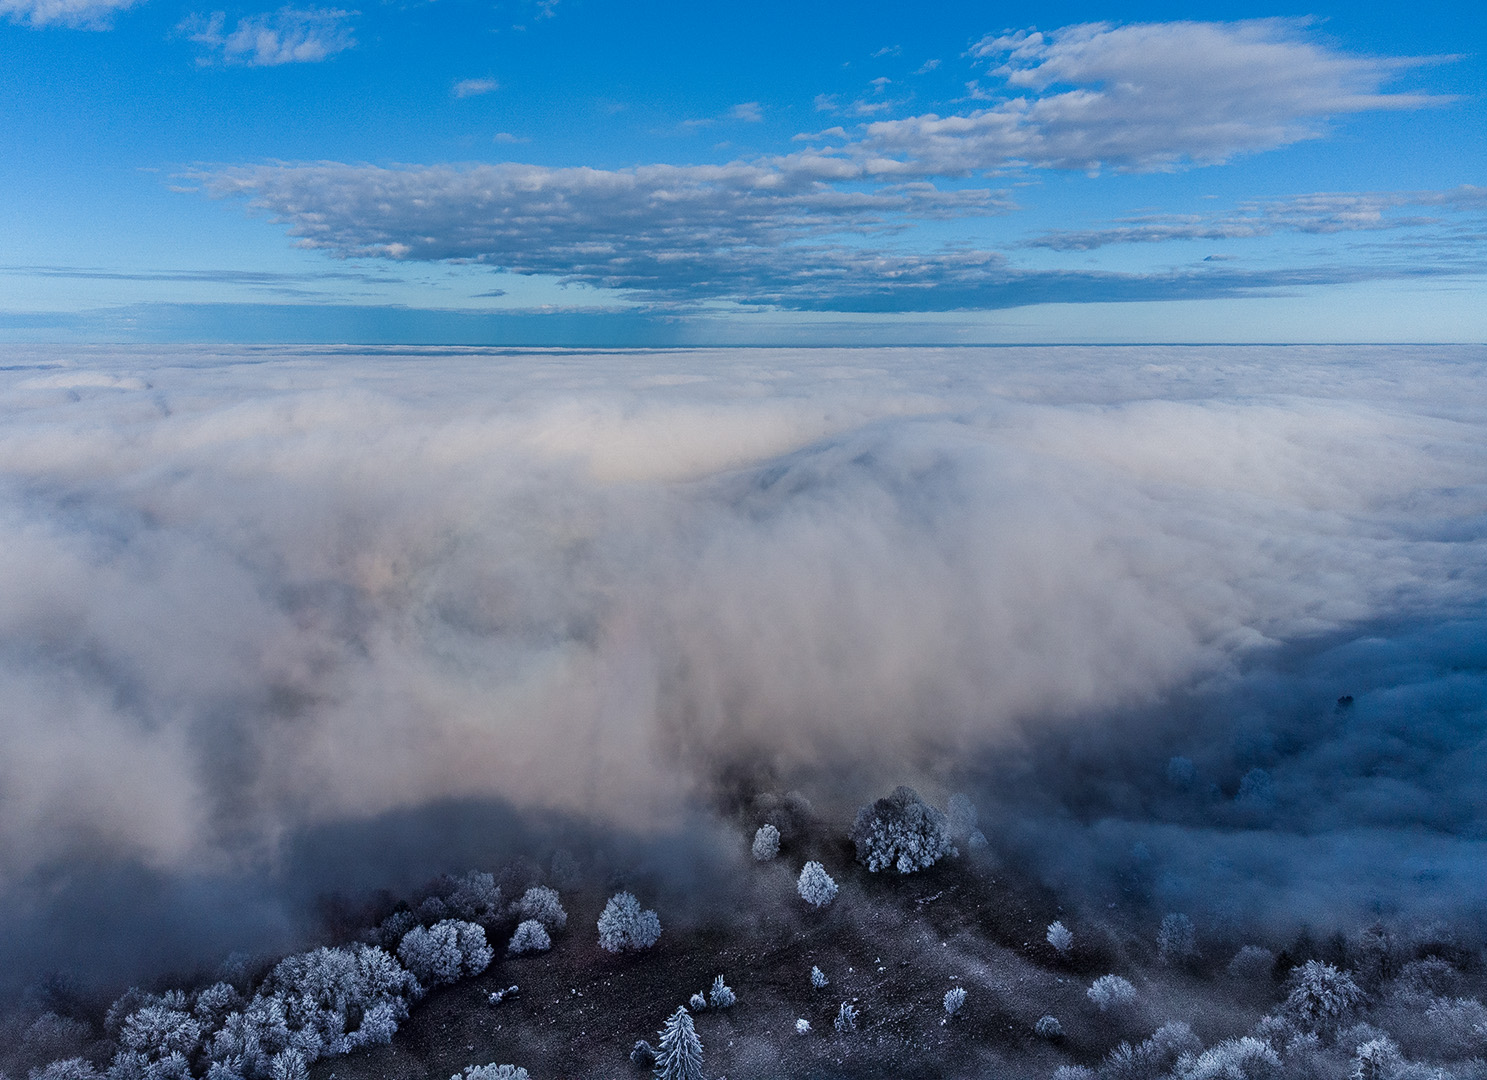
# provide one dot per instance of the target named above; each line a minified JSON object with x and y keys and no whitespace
{"x":591,"y":172}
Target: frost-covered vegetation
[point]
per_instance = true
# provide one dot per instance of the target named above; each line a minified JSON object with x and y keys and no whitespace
{"x":446,"y":952}
{"x":542,"y":904}
{"x":679,"y":1052}
{"x":1060,"y":937}
{"x":815,"y":885}
{"x":901,"y":832}
{"x":530,"y":936}
{"x":624,"y":926}
{"x":766,"y":843}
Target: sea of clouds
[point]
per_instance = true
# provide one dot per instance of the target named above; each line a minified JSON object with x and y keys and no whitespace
{"x":250,"y":596}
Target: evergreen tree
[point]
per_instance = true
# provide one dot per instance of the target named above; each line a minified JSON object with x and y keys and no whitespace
{"x":680,"y":1054}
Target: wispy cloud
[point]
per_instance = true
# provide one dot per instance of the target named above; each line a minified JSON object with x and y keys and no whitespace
{"x":475,"y":87}
{"x":287,"y":36}
{"x":749,"y":112}
{"x":77,"y":14}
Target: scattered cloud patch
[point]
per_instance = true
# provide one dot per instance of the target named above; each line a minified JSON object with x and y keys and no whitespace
{"x":888,"y":50}
{"x":506,"y":137}
{"x":926,"y":67}
{"x":749,"y":112}
{"x":287,"y":36}
{"x":77,"y":14}
{"x":475,"y":87}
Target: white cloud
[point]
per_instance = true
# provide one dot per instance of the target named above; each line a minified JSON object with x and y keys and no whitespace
{"x":749,"y":112}
{"x":475,"y":87}
{"x":287,"y":36}
{"x":78,"y":14}
{"x":1147,"y":97}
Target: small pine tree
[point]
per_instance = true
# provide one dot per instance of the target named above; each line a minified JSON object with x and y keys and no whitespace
{"x":721,"y":996}
{"x":1060,"y":937}
{"x":766,"y":843}
{"x":698,"y":1002}
{"x":955,"y":1000}
{"x":846,"y":1019}
{"x":818,"y":978}
{"x":680,"y":1053}
{"x":642,"y":1053}
{"x":815,"y":885}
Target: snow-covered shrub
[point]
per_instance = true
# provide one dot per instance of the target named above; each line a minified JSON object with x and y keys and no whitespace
{"x":1376,"y":1059}
{"x":901,"y":832}
{"x":1060,"y":937}
{"x":1252,"y":964}
{"x":530,"y":936}
{"x":1048,"y":1027}
{"x":1320,"y":997}
{"x":157,"y":1032}
{"x":491,"y":1072}
{"x":846,"y":1019}
{"x":955,"y":1000}
{"x":1245,"y":1058}
{"x":766,"y":843}
{"x":815,"y":885}
{"x":446,"y":951}
{"x":624,"y":926}
{"x":698,"y":1002}
{"x":1155,"y":1057}
{"x":475,"y":896}
{"x":1111,"y":992}
{"x":802,"y":1026}
{"x":679,"y":1056}
{"x":962,"y":816}
{"x":642,"y":1053}
{"x":818,"y":977}
{"x":1176,"y":939}
{"x":721,"y":996}
{"x":541,"y":903}
{"x":74,"y":1068}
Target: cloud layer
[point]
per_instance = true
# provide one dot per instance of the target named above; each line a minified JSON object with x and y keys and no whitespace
{"x":287,"y":36}
{"x":252,"y":594}
{"x":78,"y":14}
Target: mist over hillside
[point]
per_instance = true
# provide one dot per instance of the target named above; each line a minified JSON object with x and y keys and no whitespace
{"x":1201,"y":627}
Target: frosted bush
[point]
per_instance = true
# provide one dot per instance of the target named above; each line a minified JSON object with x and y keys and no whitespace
{"x":75,"y":1068}
{"x":446,"y":951}
{"x":818,"y":978}
{"x":721,"y":996}
{"x":157,"y":1031}
{"x":1176,"y":939}
{"x":802,"y":1026}
{"x":1154,"y":1057}
{"x":475,"y":896}
{"x":1111,"y":992}
{"x":624,"y":926}
{"x":846,"y":1019}
{"x":766,"y":843}
{"x":1320,"y":997}
{"x":955,"y":1000}
{"x":1245,"y":1058}
{"x":1060,"y":937}
{"x":530,"y":936}
{"x":815,"y":885}
{"x":1048,"y":1027}
{"x":642,"y":1053}
{"x":491,"y":1072}
{"x":698,"y":1002}
{"x":1252,"y":964}
{"x":679,"y":1057}
{"x":541,"y":903}
{"x":901,"y":832}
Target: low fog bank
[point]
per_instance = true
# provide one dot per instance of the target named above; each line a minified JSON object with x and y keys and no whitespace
{"x":256,"y":596}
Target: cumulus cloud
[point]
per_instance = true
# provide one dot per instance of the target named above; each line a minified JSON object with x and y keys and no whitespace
{"x":79,"y":14}
{"x":475,"y":87}
{"x":1319,"y":214}
{"x":287,"y":36}
{"x":1146,"y":97}
{"x":255,"y":593}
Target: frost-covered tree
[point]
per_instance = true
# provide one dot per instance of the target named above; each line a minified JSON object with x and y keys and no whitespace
{"x":445,"y":952}
{"x":815,"y":885}
{"x":1320,"y":996}
{"x":766,"y":843}
{"x":721,"y":995}
{"x":818,"y":977}
{"x":802,"y":1026}
{"x":214,"y":1003}
{"x":955,"y":1000}
{"x":1252,"y":964}
{"x":901,"y":832}
{"x":1060,"y":937}
{"x":1176,"y":938}
{"x":541,"y":903}
{"x":698,"y":1002}
{"x":74,"y":1068}
{"x":1048,"y":1027}
{"x":623,"y":926}
{"x":846,"y":1019}
{"x":392,"y":928}
{"x":1111,"y":992}
{"x":1376,"y":1059}
{"x":530,"y":936}
{"x":1457,"y":1027}
{"x":642,"y":1053}
{"x":289,"y":1065}
{"x":157,"y":1031}
{"x":476,"y":896}
{"x":491,"y":1072}
{"x":1245,"y":1058}
{"x":679,"y":1057}
{"x":1155,"y":1057}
